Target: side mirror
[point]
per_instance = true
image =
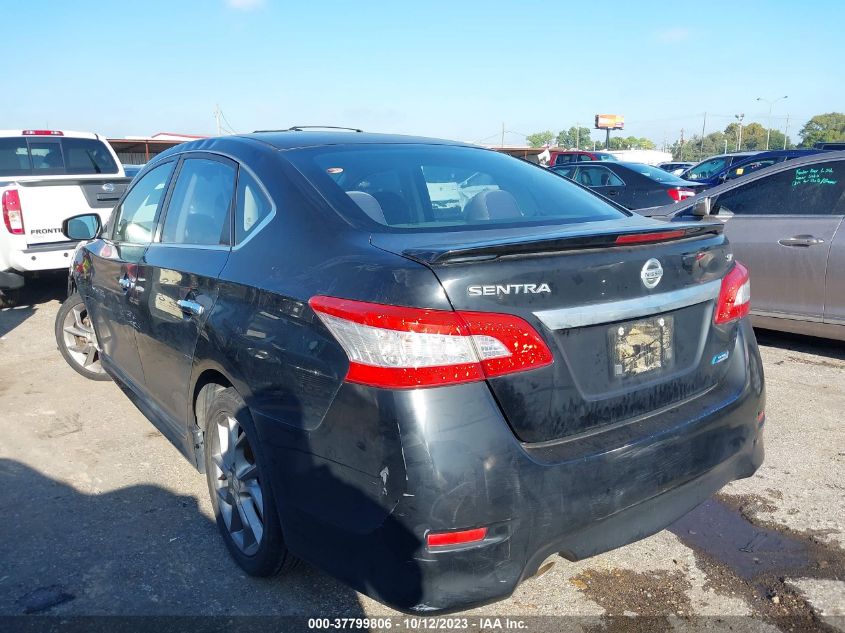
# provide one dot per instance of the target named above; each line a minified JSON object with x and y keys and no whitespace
{"x":701,"y":208}
{"x":82,"y":227}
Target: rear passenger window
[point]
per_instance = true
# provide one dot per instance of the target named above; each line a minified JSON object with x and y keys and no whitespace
{"x":252,"y":206}
{"x":596,"y":176}
{"x":14,"y":157}
{"x":198,"y":211}
{"x":815,"y":189}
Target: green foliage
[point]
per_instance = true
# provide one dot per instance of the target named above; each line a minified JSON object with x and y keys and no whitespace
{"x":574,"y":138}
{"x":753,"y":138}
{"x":823,"y":127}
{"x":540,"y":138}
{"x":627,"y":142}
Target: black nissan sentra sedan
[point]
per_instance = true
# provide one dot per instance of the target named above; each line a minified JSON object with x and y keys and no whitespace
{"x":425,"y":367}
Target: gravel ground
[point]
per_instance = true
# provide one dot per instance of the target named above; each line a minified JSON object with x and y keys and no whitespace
{"x":101,"y":516}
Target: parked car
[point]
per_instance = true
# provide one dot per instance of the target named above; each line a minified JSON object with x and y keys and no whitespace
{"x":427,"y":401}
{"x":711,"y":167}
{"x":633,"y":185}
{"x":46,"y":176}
{"x":675,"y":169}
{"x":787,"y":223}
{"x":564,"y":157}
{"x":132,"y":170}
{"x":835,"y":145}
{"x":748,"y":164}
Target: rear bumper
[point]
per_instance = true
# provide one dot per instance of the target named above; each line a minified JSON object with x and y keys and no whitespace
{"x":38,"y":257}
{"x":461,"y":467}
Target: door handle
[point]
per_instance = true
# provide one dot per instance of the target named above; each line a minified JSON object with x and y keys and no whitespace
{"x":613,"y":193}
{"x":190,"y":307}
{"x":800,"y":240}
{"x":126,"y":283}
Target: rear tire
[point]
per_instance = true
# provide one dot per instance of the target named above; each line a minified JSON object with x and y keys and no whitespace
{"x":9,"y":298}
{"x":239,"y":485}
{"x":76,"y":340}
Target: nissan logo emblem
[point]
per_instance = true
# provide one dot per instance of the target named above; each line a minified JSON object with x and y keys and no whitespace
{"x":651,"y":274}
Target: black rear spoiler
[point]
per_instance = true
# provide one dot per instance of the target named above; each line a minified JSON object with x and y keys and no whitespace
{"x":621,"y":238}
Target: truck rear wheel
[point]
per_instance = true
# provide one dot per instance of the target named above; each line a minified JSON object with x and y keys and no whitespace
{"x":9,"y":298}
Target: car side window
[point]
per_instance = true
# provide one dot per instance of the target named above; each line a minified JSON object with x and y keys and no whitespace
{"x":584,"y":157}
{"x":198,"y":211}
{"x":808,"y":190}
{"x":563,"y":159}
{"x":252,"y":206}
{"x":707,"y":169}
{"x":747,"y":168}
{"x":136,"y":216}
{"x":598,"y":176}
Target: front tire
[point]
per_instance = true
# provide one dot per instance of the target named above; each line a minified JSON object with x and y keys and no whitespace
{"x":240,"y":490}
{"x":76,"y":340}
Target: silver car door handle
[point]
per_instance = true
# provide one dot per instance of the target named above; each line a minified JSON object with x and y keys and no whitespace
{"x":190,"y":307}
{"x":801,"y":240}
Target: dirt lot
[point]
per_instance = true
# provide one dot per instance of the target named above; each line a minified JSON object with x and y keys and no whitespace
{"x":100,"y":515}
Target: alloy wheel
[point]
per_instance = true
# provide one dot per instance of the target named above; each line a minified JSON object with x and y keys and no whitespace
{"x":79,"y":340}
{"x":240,"y":498}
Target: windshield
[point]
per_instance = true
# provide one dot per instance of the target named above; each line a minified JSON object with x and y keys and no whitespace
{"x":28,"y":156}
{"x":707,"y":169}
{"x":603,"y":156}
{"x":427,"y":187}
{"x":656,"y":173}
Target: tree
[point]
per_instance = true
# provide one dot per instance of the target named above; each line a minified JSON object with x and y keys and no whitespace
{"x":574,"y":138}
{"x":538,"y":139}
{"x":823,"y":127}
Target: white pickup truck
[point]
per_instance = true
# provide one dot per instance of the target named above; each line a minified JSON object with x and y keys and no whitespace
{"x":47,"y":176}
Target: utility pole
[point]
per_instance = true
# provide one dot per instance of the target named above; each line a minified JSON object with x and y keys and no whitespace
{"x":786,"y":130}
{"x":217,"y":117}
{"x":703,"y":126}
{"x":578,"y":136}
{"x":771,"y":103}
{"x":503,"y":133}
{"x":726,"y":146}
{"x":681,"y":142}
{"x":739,"y":117}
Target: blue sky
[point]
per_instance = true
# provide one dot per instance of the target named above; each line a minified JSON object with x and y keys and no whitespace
{"x":455,"y":69}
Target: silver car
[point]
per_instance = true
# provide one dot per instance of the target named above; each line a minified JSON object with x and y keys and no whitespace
{"x":786,"y":225}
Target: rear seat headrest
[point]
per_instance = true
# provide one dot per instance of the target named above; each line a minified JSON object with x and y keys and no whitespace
{"x":368,"y":204}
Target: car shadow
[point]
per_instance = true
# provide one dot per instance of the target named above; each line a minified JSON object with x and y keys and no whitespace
{"x":137,"y":550}
{"x":36,"y":292}
{"x":800,"y":343}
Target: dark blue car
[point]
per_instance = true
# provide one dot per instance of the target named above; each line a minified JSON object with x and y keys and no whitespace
{"x":716,"y":170}
{"x":423,"y":366}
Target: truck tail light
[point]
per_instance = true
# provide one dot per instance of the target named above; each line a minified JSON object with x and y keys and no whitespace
{"x":12,"y":212}
{"x":397,"y":347}
{"x":680,"y":194}
{"x":735,"y":296}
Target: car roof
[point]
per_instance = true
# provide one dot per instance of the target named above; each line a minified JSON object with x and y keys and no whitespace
{"x":812,"y":159}
{"x":297,"y":139}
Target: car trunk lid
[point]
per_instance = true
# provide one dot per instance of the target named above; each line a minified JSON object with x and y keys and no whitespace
{"x":626,"y":307}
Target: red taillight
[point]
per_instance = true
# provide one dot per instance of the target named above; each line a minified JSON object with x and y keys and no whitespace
{"x":735,"y":296}
{"x":396,"y":347}
{"x":42,"y":133}
{"x":641,"y":238}
{"x":12,"y":212}
{"x":444,"y":539}
{"x":680,"y":194}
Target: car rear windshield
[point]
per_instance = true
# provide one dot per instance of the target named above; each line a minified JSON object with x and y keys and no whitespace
{"x":657,"y":174}
{"x":34,"y":156}
{"x":428,"y":187}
